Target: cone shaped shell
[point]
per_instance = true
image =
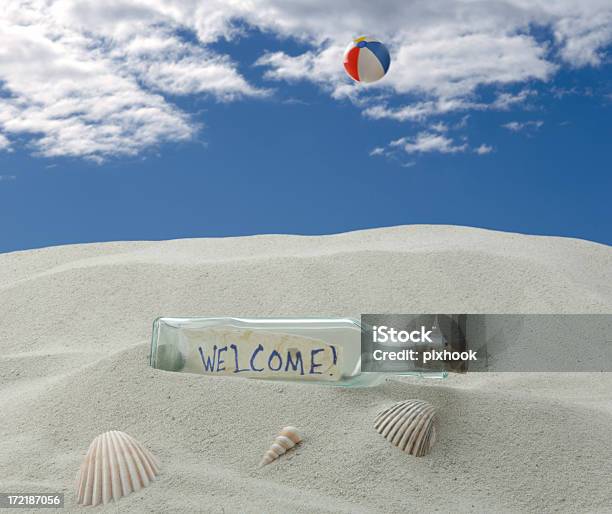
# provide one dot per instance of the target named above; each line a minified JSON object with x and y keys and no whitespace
{"x":285,"y":440}
{"x":409,"y":425}
{"x":115,"y":465}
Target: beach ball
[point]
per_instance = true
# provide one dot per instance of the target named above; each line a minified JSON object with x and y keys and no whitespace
{"x":366,"y":59}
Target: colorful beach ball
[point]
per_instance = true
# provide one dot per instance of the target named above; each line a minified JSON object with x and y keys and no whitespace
{"x":366,"y":59}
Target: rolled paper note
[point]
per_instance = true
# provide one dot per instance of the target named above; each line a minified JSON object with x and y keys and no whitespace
{"x":263,"y":354}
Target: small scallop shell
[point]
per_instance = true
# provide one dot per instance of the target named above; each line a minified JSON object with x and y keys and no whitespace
{"x":286,"y":439}
{"x":115,"y":465}
{"x":409,"y":425}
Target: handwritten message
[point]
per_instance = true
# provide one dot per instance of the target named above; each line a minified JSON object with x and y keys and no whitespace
{"x":261,"y":354}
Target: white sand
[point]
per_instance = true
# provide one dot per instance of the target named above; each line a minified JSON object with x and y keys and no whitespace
{"x":75,"y":329}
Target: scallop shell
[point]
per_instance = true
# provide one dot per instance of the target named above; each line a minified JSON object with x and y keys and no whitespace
{"x":115,"y":465}
{"x":409,"y":425}
{"x":286,"y":439}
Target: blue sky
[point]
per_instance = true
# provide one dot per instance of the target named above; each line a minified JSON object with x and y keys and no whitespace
{"x":252,"y":127}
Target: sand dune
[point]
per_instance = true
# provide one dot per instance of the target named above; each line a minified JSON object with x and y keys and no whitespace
{"x":76,"y":323}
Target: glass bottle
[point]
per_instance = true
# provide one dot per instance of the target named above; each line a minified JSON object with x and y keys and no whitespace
{"x":321,"y":350}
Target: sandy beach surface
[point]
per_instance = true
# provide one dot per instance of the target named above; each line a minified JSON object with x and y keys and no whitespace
{"x":74,"y":339}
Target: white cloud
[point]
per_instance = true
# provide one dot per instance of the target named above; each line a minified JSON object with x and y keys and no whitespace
{"x":506,"y":100}
{"x":419,"y":111}
{"x":463,"y":122}
{"x":583,"y":37}
{"x":4,"y":142}
{"x":94,"y":79}
{"x":379,"y":150}
{"x":483,"y":149}
{"x":428,"y":142}
{"x":454,"y":64}
{"x":82,"y":92}
{"x":518,"y":126}
{"x":439,"y":127}
{"x":7,"y":178}
{"x":442,"y":53}
{"x":166,"y":64}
